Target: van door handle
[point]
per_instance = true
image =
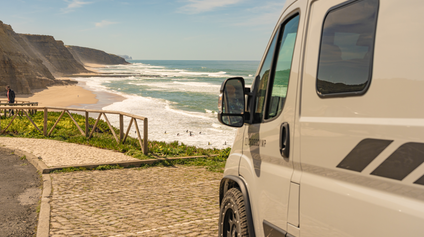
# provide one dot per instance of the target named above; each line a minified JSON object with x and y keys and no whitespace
{"x":285,"y":140}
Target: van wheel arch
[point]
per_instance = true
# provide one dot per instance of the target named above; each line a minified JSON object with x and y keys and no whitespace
{"x":231,"y":181}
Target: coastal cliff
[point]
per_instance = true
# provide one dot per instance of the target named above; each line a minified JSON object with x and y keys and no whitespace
{"x":55,"y":56}
{"x":29,"y":62}
{"x":19,"y":66}
{"x":88,"y":55}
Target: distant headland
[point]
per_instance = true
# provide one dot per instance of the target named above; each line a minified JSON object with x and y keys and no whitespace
{"x":32,"y":62}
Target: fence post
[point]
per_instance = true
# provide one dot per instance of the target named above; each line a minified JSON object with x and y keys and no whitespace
{"x":145,"y":142}
{"x":45,"y":122}
{"x":121,"y":128}
{"x":86,"y":124}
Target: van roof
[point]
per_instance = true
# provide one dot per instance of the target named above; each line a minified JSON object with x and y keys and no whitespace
{"x":288,"y":3}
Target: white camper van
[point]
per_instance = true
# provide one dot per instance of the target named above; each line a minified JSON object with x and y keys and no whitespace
{"x":331,"y":132}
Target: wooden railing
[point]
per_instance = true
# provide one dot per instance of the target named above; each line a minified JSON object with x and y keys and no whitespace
{"x":122,"y":136}
{"x":18,"y":104}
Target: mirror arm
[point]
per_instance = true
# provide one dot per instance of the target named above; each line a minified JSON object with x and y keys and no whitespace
{"x":249,"y":99}
{"x":247,"y":91}
{"x":246,"y":117}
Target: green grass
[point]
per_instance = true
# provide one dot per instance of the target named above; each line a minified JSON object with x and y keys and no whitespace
{"x":103,"y":138}
{"x":215,"y":164}
{"x":70,"y":169}
{"x":100,"y":167}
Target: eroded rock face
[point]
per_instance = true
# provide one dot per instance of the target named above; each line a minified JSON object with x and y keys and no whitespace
{"x":29,"y":62}
{"x":54,"y":55}
{"x":88,"y":55}
{"x":19,"y":66}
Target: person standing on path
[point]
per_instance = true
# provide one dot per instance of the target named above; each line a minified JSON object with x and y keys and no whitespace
{"x":10,"y":96}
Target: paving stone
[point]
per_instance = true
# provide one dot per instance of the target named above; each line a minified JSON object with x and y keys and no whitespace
{"x":181,"y":201}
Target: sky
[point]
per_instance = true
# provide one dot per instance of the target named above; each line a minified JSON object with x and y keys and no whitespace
{"x":152,"y":29}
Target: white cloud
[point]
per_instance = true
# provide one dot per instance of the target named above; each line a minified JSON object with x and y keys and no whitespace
{"x":199,"y":6}
{"x":266,"y":14}
{"x":104,"y":23}
{"x":74,"y":4}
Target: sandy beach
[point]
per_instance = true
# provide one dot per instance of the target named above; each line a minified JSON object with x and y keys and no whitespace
{"x":76,"y":96}
{"x":61,"y":96}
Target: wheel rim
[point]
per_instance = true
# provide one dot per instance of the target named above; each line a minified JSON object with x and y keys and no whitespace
{"x":231,"y":224}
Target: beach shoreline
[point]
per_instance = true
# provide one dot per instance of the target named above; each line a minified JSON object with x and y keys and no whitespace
{"x":75,"y":95}
{"x":178,"y":100}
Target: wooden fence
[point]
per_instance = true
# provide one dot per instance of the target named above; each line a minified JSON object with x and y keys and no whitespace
{"x":122,"y":136}
{"x":18,"y":104}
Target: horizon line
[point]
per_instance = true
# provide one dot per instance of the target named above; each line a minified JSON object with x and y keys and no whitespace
{"x":198,"y":59}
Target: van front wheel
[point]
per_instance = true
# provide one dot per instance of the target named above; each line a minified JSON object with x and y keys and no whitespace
{"x":232,"y":216}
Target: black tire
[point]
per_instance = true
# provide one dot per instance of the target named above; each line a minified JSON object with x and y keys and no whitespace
{"x":232,"y":216}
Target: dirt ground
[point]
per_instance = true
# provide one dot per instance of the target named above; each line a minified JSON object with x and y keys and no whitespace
{"x":20,"y":193}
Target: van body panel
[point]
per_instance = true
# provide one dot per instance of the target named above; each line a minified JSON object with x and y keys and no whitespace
{"x":238,"y":141}
{"x":293,"y":213}
{"x":233,"y":161}
{"x":269,"y":179}
{"x":356,"y":162}
{"x":342,"y":186}
{"x":332,"y":206}
{"x":398,"y":61}
{"x":232,"y":164}
{"x":262,"y":165}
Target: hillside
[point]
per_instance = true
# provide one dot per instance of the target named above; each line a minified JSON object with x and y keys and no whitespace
{"x":19,"y":66}
{"x":29,"y":62}
{"x":55,"y":56}
{"x":88,"y":55}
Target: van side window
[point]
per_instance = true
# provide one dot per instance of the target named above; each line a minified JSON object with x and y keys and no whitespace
{"x":278,"y":91}
{"x":262,"y":84}
{"x":347,"y":47}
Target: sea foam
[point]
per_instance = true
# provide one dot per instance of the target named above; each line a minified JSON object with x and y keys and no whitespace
{"x":167,"y":124}
{"x":167,"y":120}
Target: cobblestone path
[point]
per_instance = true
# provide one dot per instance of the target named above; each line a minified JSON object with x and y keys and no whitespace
{"x":157,"y":201}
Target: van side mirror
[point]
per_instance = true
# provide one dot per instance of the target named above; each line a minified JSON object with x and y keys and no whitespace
{"x":231,"y":102}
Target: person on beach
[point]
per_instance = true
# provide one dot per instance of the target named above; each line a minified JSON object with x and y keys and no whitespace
{"x":10,"y":97}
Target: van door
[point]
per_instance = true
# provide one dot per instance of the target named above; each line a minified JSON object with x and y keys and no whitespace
{"x":361,"y":120}
{"x":267,"y":161}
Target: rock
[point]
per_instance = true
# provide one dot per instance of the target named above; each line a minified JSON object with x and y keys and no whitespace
{"x":54,"y":54}
{"x":19,"y":66}
{"x":88,"y":55}
{"x":29,"y":62}
{"x":126,"y":57}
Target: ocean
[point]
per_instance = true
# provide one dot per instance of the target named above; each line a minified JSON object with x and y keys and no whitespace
{"x":179,"y":97}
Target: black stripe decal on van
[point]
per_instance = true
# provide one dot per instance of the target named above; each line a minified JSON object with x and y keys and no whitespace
{"x":402,"y":162}
{"x":363,"y":154}
{"x":420,"y":180}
